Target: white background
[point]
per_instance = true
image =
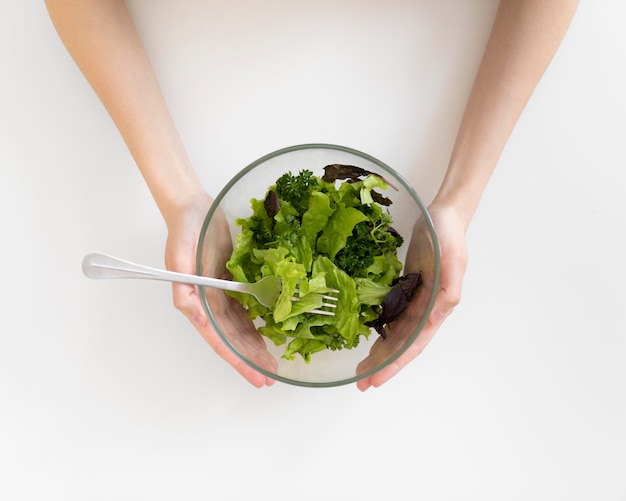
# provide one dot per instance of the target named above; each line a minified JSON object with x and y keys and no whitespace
{"x":106,"y":392}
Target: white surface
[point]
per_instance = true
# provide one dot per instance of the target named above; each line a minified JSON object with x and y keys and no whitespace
{"x":106,"y":392}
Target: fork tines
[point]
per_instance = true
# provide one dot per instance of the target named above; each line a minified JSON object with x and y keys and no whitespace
{"x":328,"y":301}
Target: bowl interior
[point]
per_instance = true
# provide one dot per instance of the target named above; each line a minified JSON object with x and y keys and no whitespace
{"x":328,"y":368}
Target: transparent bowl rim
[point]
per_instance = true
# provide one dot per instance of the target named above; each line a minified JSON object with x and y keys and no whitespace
{"x":406,"y":185}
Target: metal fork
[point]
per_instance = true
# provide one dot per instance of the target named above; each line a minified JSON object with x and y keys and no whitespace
{"x":97,"y":265}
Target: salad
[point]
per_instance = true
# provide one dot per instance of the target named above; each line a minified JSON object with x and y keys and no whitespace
{"x":321,"y":234}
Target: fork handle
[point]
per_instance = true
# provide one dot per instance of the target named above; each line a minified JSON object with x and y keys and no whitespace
{"x":98,"y":266}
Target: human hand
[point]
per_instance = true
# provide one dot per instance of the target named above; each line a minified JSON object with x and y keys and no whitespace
{"x":451,"y":229}
{"x":184,"y":227}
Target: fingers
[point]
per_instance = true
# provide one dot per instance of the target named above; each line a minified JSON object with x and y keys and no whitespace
{"x":453,"y":253}
{"x":447,"y":299}
{"x":183,"y":232}
{"x":187,"y":301}
{"x":432,"y":325}
{"x":449,"y":295}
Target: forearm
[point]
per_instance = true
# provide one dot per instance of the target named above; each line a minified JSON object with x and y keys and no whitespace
{"x":102,"y":39}
{"x":524,"y":38}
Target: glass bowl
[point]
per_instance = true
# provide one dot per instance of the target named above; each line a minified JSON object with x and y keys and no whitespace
{"x":325,"y":368}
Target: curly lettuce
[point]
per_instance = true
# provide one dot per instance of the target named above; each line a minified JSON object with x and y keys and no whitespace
{"x":319,"y":234}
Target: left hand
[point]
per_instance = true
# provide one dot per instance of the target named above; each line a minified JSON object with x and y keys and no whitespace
{"x":450,"y":229}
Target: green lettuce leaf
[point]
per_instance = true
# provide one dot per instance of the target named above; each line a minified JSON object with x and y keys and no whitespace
{"x":315,"y":228}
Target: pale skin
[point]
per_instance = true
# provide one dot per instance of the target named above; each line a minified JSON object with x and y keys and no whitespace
{"x":102,"y":39}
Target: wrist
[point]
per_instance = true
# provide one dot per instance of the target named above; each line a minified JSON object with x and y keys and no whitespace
{"x":185,"y":199}
{"x":173,"y":183}
{"x":467,"y":175}
{"x":462,"y":201}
